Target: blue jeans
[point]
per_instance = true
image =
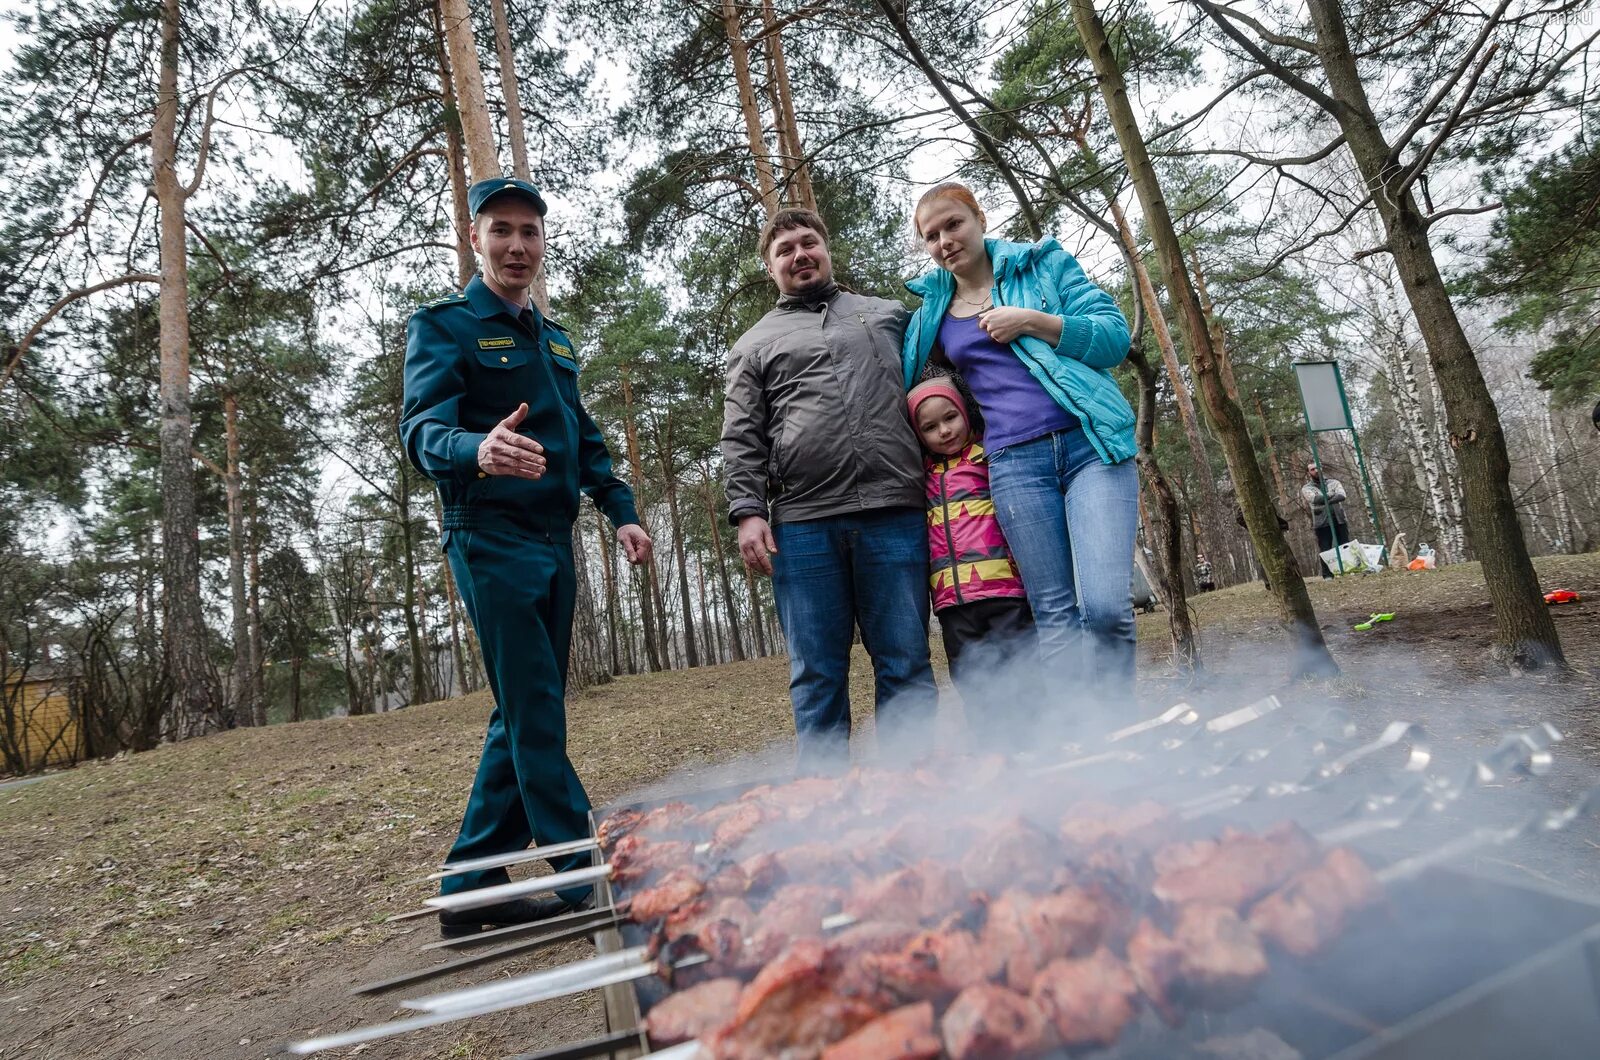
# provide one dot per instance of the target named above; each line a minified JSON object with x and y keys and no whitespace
{"x":831,"y":575}
{"x":1070,"y":520}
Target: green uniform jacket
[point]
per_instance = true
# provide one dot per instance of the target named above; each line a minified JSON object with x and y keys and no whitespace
{"x":469,"y":363}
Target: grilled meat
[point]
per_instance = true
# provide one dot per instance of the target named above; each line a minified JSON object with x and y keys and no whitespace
{"x":924,"y":891}
{"x":734,"y":827}
{"x":903,"y":1034}
{"x":678,"y":888}
{"x":1028,"y":931}
{"x":795,"y":912}
{"x":1241,"y":868}
{"x":989,"y":1022}
{"x":1088,"y":1001}
{"x":636,"y":857}
{"x":664,"y":819}
{"x":933,"y":966}
{"x":692,"y":1013}
{"x":1014,"y":853}
{"x":1211,"y":957}
{"x":796,"y":1007}
{"x":1312,"y":908}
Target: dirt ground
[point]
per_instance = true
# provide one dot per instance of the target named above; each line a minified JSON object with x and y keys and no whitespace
{"x":215,"y":899}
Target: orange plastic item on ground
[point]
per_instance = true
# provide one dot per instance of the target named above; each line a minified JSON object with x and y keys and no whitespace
{"x":1417,"y":564}
{"x":1562,"y":596}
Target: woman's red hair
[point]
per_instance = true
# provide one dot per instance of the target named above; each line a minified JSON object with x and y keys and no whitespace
{"x":949,"y":190}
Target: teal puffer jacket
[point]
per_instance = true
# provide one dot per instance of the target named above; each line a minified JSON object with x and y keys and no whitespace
{"x":1076,"y":372}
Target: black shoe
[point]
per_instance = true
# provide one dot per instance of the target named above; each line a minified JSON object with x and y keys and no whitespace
{"x":454,"y":925}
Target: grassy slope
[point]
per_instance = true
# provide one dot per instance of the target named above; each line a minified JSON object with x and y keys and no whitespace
{"x":215,"y":898}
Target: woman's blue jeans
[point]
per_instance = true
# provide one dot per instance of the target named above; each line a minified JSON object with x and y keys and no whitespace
{"x":1070,"y":520}
{"x":866,"y":569}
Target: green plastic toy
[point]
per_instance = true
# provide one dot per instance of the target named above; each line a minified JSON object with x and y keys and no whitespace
{"x":1376,"y":617}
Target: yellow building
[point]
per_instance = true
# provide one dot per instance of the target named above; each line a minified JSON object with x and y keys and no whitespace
{"x":40,"y":722}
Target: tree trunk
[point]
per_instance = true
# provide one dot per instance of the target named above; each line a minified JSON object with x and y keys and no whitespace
{"x":740,"y":51}
{"x":690,"y":648}
{"x":736,"y":641}
{"x":1311,"y":654}
{"x":419,"y":684}
{"x":588,"y":664}
{"x":1408,"y":402}
{"x":1212,"y":522}
{"x":196,"y":700}
{"x":239,"y":678}
{"x":465,"y":264}
{"x":798,"y":179}
{"x":1568,"y":525}
{"x":1459,"y":548}
{"x":609,"y":574}
{"x":460,"y":643}
{"x":758,"y":621}
{"x":655,"y":652}
{"x":1185,"y":646}
{"x":510,"y":88}
{"x":709,"y":654}
{"x":483,"y":161}
{"x":294,"y":687}
{"x":258,"y":648}
{"x":1219,"y":345}
{"x":1525,"y":633}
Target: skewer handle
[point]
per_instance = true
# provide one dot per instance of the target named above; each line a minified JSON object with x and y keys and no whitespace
{"x":604,"y":970}
{"x":515,"y":857}
{"x":504,"y":892}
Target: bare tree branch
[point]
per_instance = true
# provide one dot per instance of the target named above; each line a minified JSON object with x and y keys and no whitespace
{"x":1397,"y":147}
{"x":1220,"y":15}
{"x":1261,"y":160}
{"x":21,"y":349}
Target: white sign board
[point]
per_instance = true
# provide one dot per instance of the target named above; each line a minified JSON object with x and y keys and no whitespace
{"x":1322,"y":393}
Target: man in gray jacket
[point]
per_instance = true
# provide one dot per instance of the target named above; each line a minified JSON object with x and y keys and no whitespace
{"x":825,"y":482}
{"x":1325,"y":501}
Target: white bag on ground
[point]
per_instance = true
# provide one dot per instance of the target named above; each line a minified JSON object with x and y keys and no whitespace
{"x":1355,"y":557}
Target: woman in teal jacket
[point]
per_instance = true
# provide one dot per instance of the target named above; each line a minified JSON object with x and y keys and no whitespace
{"x":1036,"y":342}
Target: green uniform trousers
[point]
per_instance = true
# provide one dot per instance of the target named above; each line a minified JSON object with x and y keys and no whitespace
{"x":519,"y":587}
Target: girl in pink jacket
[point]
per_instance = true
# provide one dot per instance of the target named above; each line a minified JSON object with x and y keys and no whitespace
{"x":977,"y":591}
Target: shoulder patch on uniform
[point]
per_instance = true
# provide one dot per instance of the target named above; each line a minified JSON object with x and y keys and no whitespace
{"x":449,"y":299}
{"x":500,"y":343}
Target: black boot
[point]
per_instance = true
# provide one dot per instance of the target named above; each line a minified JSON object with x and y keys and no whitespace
{"x":455,"y":924}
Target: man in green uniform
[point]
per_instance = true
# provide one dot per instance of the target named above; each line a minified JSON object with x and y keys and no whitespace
{"x":492,"y":415}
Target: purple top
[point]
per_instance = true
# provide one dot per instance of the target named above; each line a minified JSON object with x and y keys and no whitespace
{"x":1015,"y":407}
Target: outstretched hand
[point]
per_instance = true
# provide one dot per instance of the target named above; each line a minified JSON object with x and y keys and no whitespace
{"x":505,"y":452}
{"x":756,"y":543}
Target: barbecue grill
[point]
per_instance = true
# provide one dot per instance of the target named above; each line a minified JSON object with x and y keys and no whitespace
{"x":1451,"y":964}
{"x":1458,"y":966}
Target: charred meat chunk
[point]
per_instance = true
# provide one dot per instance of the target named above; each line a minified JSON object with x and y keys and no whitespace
{"x":796,"y":1007}
{"x":903,"y":1034}
{"x":693,"y":1013}
{"x":1088,"y":1001}
{"x":1242,"y":868}
{"x":1313,"y":907}
{"x":989,"y":1022}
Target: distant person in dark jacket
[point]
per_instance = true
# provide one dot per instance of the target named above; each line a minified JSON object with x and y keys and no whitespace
{"x":824,"y":480}
{"x":1324,"y":499}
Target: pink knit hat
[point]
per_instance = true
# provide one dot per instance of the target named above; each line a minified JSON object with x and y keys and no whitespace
{"x":933,"y":388}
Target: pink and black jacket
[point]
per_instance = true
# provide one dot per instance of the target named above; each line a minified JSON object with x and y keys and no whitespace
{"x":967,"y":553}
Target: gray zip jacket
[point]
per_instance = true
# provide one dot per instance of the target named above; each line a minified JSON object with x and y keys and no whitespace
{"x":815,"y":420}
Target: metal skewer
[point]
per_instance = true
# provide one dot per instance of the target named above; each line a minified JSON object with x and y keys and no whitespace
{"x":1543,"y":821}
